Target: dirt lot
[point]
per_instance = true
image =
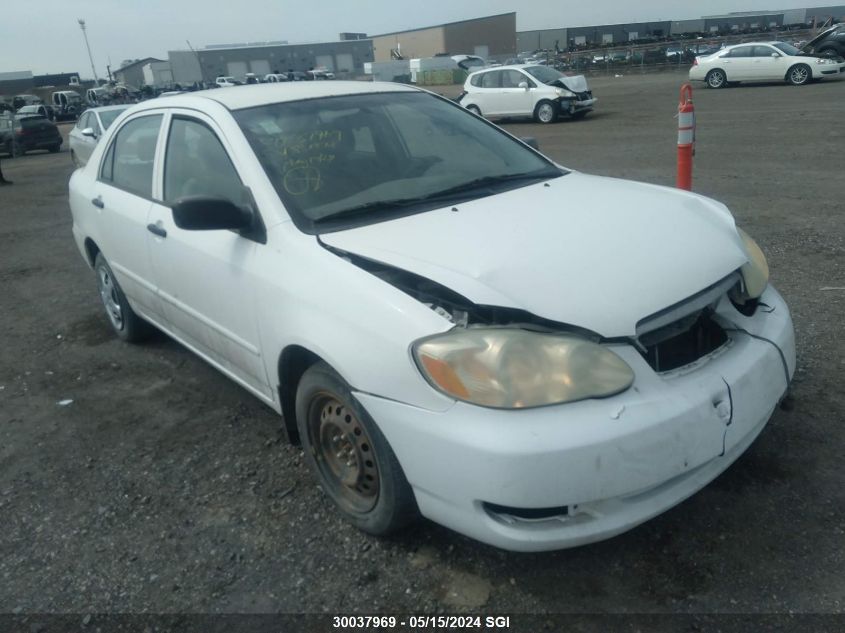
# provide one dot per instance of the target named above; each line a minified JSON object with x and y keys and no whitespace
{"x":164,"y":487}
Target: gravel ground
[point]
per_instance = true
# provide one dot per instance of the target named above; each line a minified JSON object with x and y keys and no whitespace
{"x":138,"y":479}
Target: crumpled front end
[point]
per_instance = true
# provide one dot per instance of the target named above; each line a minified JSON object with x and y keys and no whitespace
{"x":565,"y":475}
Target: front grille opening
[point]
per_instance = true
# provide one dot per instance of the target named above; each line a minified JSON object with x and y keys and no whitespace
{"x":527,"y":514}
{"x":682,"y":342}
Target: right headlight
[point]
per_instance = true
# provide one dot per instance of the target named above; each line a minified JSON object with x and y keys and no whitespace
{"x":510,"y":368}
{"x":755,"y":273}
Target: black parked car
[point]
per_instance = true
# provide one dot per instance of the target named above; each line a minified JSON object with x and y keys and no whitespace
{"x":30,"y":132}
{"x":829,"y":43}
{"x":40,"y":109}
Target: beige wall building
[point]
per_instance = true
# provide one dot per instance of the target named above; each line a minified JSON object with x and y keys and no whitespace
{"x":492,"y":36}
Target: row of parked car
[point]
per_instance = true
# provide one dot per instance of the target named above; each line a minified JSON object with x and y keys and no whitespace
{"x":275,"y":77}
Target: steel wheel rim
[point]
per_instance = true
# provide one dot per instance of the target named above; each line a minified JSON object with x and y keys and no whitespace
{"x":344,"y":454}
{"x":799,"y":75}
{"x":108,"y":294}
{"x":545,"y":113}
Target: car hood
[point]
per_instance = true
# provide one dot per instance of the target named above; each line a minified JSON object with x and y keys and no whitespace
{"x":576,"y":83}
{"x":810,"y":46}
{"x":592,"y":252}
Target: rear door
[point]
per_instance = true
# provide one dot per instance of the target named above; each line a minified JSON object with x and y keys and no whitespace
{"x":739,"y":63}
{"x":123,"y":197}
{"x":204,"y":277}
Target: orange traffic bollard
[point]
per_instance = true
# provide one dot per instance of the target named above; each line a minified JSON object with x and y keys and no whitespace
{"x":686,"y":138}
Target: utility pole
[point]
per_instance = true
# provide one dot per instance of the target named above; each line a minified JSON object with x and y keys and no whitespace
{"x":90,"y":57}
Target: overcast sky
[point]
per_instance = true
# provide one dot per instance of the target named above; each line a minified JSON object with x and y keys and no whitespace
{"x":44,"y":36}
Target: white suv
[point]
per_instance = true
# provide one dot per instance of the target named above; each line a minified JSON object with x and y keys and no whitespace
{"x":526,"y":90}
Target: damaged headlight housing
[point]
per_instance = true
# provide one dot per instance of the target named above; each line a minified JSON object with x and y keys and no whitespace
{"x":510,"y":368}
{"x":755,"y":273}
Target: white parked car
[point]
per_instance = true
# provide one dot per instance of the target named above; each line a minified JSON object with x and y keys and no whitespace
{"x":83,"y":137}
{"x":520,"y":90}
{"x":273,"y":78}
{"x":762,"y":61}
{"x":449,"y":322}
{"x":226,"y":82}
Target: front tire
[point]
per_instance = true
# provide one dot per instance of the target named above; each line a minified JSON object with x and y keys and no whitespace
{"x":349,"y":455}
{"x":545,"y":112}
{"x":127,"y":325}
{"x":716,"y":79}
{"x":799,"y":75}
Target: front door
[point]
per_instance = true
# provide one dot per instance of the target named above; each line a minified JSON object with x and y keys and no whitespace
{"x":204,"y":277}
{"x":516,"y":100}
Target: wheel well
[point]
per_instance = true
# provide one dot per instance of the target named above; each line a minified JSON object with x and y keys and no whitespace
{"x":293,"y":362}
{"x":91,"y":249}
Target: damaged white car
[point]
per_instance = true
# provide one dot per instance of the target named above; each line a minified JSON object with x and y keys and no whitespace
{"x":526,"y":90}
{"x":451,"y":324}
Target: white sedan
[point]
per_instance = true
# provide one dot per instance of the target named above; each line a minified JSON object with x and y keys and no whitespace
{"x":90,"y":126}
{"x":762,"y":61}
{"x":450,"y":323}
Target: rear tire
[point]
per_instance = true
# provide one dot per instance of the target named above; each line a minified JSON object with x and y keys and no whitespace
{"x":127,"y":325}
{"x":474,"y":109}
{"x":545,"y":112}
{"x":349,"y":455}
{"x":716,"y":78}
{"x":799,"y":75}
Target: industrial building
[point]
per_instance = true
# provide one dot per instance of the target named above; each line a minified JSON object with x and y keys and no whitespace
{"x":490,"y":36}
{"x":344,"y":58}
{"x":137,"y":73}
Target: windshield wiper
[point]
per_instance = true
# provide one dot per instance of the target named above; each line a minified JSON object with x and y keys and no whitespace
{"x":452,"y":193}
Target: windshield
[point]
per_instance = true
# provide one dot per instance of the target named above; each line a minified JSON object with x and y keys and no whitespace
{"x":28,"y":110}
{"x":544,"y":73}
{"x":361,"y":159}
{"x":107,"y":117}
{"x":789,"y":49}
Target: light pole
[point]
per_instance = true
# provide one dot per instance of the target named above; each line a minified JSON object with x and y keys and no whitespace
{"x":90,"y":57}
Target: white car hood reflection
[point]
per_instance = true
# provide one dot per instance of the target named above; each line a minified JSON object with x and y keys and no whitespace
{"x":593,"y":252}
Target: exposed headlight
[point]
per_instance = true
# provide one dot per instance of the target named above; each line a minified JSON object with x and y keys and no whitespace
{"x":561,"y":92}
{"x":755,"y":274}
{"x":510,"y":368}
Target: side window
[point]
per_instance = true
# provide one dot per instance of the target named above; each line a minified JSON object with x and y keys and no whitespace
{"x":129,"y":161}
{"x":197,"y":165}
{"x":493,"y":79}
{"x":763,"y":51}
{"x":512,"y":79}
{"x":83,"y":121}
{"x":742,"y":51}
{"x":476,"y":80}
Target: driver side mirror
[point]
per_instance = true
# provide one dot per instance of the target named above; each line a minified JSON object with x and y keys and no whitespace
{"x":89,"y":131}
{"x":523,"y":85}
{"x":209,"y":213}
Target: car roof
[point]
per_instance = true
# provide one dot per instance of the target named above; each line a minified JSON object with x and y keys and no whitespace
{"x":108,"y":107}
{"x":508,"y":67}
{"x":250,"y":96}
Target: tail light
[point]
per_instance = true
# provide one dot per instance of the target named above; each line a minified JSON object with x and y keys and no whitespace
{"x":695,"y":61}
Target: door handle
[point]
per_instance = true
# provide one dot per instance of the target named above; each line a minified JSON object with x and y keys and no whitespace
{"x":155,"y":229}
{"x":98,"y":202}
